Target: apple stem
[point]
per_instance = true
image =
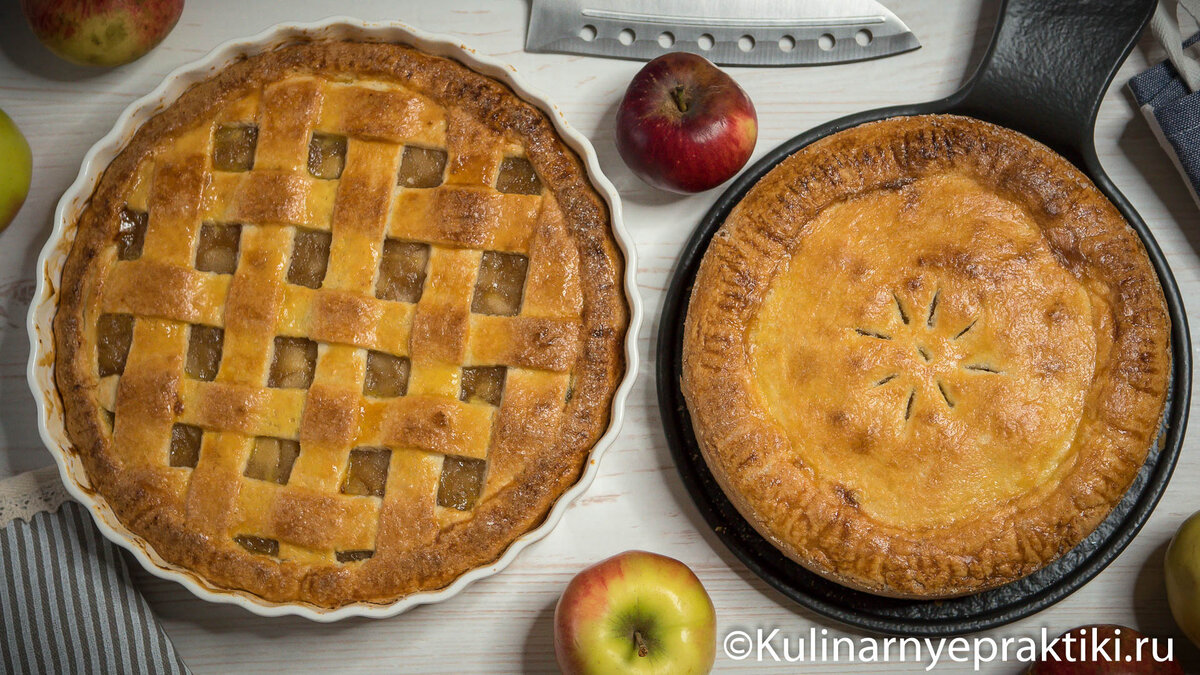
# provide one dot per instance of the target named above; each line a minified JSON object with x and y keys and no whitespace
{"x":641,"y":643}
{"x":682,"y":100}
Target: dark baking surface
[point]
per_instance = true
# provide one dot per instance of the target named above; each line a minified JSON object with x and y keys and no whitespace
{"x":1047,"y":84}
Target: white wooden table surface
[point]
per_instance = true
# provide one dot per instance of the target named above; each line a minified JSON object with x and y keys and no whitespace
{"x":503,"y":623}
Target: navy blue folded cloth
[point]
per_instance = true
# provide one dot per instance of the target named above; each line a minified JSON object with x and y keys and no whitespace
{"x":67,"y":603}
{"x":1173,"y":112}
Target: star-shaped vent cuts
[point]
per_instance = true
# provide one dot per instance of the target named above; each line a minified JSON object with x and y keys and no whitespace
{"x":927,"y":351}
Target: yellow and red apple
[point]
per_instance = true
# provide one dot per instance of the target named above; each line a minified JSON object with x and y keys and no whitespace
{"x":685,"y":125}
{"x":101,"y":32}
{"x":18,"y":168}
{"x":636,"y":612}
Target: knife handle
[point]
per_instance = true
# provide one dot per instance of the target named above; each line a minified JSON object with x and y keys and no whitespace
{"x":1048,"y":67}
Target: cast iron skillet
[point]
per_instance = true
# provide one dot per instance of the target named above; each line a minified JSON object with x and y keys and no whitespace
{"x":1044,"y":75}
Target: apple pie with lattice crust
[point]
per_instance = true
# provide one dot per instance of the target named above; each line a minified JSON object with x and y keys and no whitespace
{"x":340,"y":324}
{"x":925,"y":356}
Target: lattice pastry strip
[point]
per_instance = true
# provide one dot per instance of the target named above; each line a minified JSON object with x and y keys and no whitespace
{"x":147,"y":397}
{"x":288,"y":114}
{"x":467,"y":216}
{"x":252,"y":305}
{"x":332,"y":522}
{"x":175,"y":195}
{"x":243,"y":408}
{"x":526,"y":342}
{"x":440,"y":324}
{"x":475,"y":152}
{"x":242,"y":111}
{"x":552,"y":286}
{"x":382,"y":113}
{"x":528,"y":418}
{"x":387,"y":331}
{"x":233,"y":197}
{"x":360,"y":215}
{"x":213,"y":491}
{"x":176,"y":293}
{"x":331,"y":418}
{"x":407,"y":519}
{"x":431,"y":423}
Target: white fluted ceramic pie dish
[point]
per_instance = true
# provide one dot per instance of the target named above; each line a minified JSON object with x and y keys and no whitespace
{"x":50,"y":264}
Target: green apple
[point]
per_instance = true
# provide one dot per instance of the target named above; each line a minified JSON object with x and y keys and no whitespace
{"x":635,"y":612}
{"x":18,"y":168}
{"x":101,"y":32}
{"x":1183,"y":577}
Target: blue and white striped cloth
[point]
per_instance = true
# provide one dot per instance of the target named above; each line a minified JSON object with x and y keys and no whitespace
{"x":1169,"y":92}
{"x":67,"y":603}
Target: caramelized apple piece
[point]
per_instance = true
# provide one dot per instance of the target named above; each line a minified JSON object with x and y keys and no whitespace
{"x":294,"y":363}
{"x":387,"y":375}
{"x":500,"y":284}
{"x":310,"y":258}
{"x":367,"y":474}
{"x":422,"y":167}
{"x":517,"y":176}
{"x":218,"y":248}
{"x":185,"y":445}
{"x":482,"y":384}
{"x":461,"y":482}
{"x":402,"y":271}
{"x":327,"y":156}
{"x":114,"y":334}
{"x":353,"y":556}
{"x":233,"y":147}
{"x":204,"y":352}
{"x":272,"y":459}
{"x":131,"y":233}
{"x":259,"y":545}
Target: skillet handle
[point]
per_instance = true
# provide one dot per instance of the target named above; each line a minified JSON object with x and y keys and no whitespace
{"x":1049,"y":65}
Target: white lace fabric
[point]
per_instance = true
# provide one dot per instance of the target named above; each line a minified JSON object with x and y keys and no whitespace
{"x":24,"y":495}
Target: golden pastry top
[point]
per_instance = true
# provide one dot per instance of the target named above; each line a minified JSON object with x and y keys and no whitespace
{"x":329,"y":310}
{"x":925,"y":352}
{"x":925,"y":356}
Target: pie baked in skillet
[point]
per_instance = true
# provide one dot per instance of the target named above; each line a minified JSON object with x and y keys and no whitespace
{"x":925,"y":356}
{"x":339,"y":324}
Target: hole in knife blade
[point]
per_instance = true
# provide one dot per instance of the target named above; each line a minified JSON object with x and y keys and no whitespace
{"x":787,"y":43}
{"x":746,"y":43}
{"x":626,"y":37}
{"x":863,"y":37}
{"x":826,"y":42}
{"x":666,"y":39}
{"x":587,"y":33}
{"x":706,"y":42}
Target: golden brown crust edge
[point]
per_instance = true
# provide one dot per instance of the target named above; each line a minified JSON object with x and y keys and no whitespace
{"x":812,"y":523}
{"x":133,"y":495}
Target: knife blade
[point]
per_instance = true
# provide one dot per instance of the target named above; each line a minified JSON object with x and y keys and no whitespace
{"x":727,"y":32}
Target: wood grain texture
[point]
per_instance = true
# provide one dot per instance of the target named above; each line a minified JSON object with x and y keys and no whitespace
{"x":503,"y":624}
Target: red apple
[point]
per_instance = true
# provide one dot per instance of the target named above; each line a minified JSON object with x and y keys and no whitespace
{"x":101,"y":32}
{"x":635,"y":612}
{"x":685,"y":125}
{"x":1119,"y":655}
